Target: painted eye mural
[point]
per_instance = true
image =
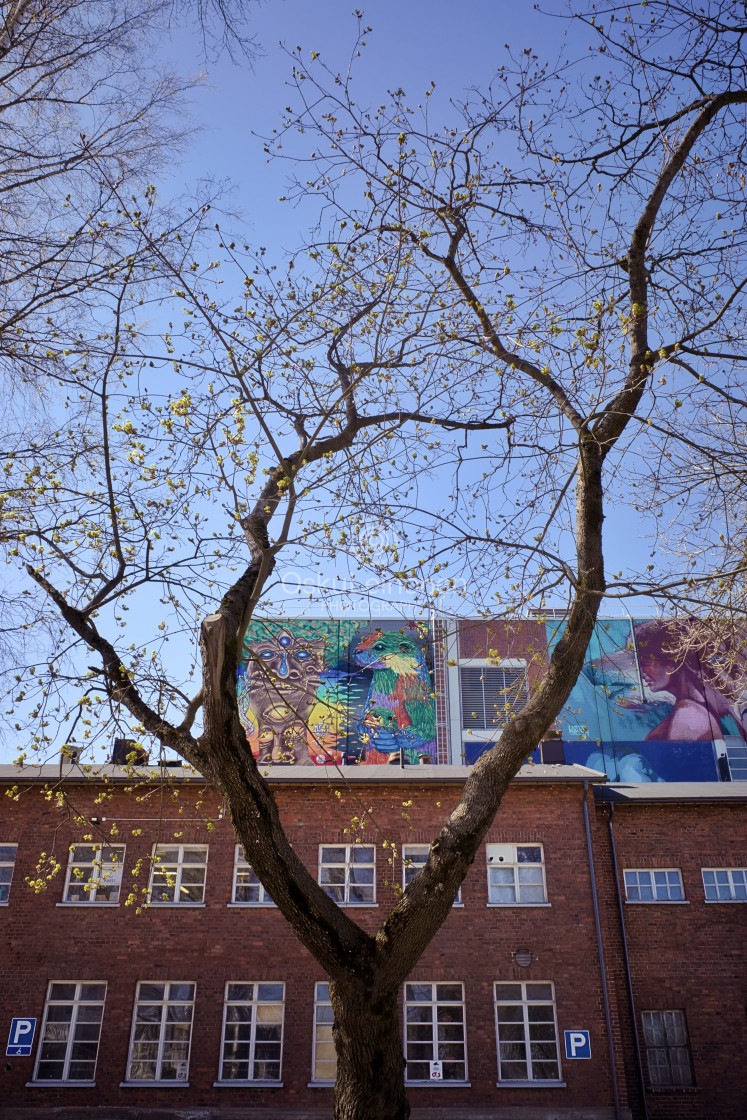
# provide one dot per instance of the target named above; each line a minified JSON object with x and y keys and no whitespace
{"x":321,"y":691}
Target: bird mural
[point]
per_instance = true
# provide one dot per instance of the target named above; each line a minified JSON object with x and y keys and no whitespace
{"x":400,"y":709}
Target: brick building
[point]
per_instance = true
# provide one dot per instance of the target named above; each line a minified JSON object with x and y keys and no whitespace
{"x":613,"y":909}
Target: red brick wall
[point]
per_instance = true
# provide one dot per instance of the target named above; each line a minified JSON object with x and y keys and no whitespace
{"x":691,"y":958}
{"x":216,"y":944}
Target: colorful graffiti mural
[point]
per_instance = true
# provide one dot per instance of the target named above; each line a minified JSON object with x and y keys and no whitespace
{"x":319,"y":691}
{"x":643,"y":711}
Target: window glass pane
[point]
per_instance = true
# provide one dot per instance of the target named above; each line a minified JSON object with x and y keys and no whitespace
{"x":70,"y":1032}
{"x":527,"y":1032}
{"x":161,"y":1033}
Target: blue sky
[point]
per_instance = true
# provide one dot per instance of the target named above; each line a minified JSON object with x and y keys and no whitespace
{"x":413,"y":42}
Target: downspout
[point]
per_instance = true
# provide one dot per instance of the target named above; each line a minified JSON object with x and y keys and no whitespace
{"x":602,"y":969}
{"x":634,"y":1014}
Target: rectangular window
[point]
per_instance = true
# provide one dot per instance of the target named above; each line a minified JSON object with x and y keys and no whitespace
{"x":725,"y":884}
{"x":737,"y":758}
{"x":7,"y":863}
{"x":527,"y":1032}
{"x":252,"y":1032}
{"x":70,"y":1032}
{"x":414,"y":857}
{"x":516,"y":874}
{"x":161,"y":1032}
{"x":667,"y":1048}
{"x":177,"y":874}
{"x":324,"y":1056}
{"x":94,"y":873}
{"x":435,"y":1032}
{"x":247,"y":889}
{"x":347,"y":873}
{"x":491,"y":696}
{"x":654,"y":886}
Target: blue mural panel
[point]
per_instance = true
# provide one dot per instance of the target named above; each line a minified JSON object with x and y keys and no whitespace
{"x":652,"y":761}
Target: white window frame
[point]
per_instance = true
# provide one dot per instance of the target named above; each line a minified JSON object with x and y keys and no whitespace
{"x":243,"y":870}
{"x":105,"y":874}
{"x":163,"y":1041}
{"x":528,"y":875}
{"x":80,"y":1022}
{"x":173,"y":870}
{"x":659,"y":1053}
{"x":438,"y":999}
{"x":460,"y":733}
{"x":528,"y":998}
{"x":6,"y":878}
{"x":414,"y":857}
{"x":348,"y":887}
{"x":660,"y":888}
{"x":261,"y":998}
{"x":732,"y":879}
{"x":323,"y":1020}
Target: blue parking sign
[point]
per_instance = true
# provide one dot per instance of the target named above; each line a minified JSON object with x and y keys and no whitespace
{"x":21,"y":1038}
{"x":577,"y":1044}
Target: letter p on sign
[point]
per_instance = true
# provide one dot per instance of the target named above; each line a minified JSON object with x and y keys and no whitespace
{"x":577,"y":1044}
{"x":21,"y":1038}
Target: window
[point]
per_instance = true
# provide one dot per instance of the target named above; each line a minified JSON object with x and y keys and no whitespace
{"x":161,"y":1032}
{"x":725,"y":884}
{"x":247,"y":889}
{"x":516,"y":874}
{"x":434,"y":1032}
{"x":7,"y":863}
{"x":736,"y":754}
{"x":70,"y":1031}
{"x":527,"y":1032}
{"x":654,"y":886}
{"x":667,"y":1048}
{"x":94,"y":873}
{"x":252,"y":1032}
{"x":414,"y":857}
{"x":324,"y":1056}
{"x":491,"y":696}
{"x":346,"y":871}
{"x":177,"y":875}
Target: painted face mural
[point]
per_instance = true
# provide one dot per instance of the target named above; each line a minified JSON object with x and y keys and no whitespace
{"x":642,"y":710}
{"x":318,"y":691}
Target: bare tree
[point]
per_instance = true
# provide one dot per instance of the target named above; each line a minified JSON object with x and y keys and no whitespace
{"x":529,"y":298}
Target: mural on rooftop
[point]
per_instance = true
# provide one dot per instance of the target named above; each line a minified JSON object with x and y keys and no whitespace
{"x":641,"y":711}
{"x":317,"y":691}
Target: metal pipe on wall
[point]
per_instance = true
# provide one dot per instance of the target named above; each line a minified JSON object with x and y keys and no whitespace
{"x":600,"y":949}
{"x":626,"y":958}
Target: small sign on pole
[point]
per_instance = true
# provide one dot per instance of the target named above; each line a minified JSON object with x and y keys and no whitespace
{"x":21,"y":1038}
{"x":577,"y":1044}
{"x":437,"y":1071}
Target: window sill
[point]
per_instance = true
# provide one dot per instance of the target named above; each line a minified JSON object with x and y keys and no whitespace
{"x":708,"y":901}
{"x":320,"y":1085}
{"x":438,"y":1084}
{"x":250,"y":905}
{"x":657,"y":902}
{"x":154,"y":1084}
{"x":519,"y":905}
{"x":83,"y":905}
{"x":175,"y":905}
{"x":357,"y":905}
{"x":237,"y":1084}
{"x":531,"y":1085}
{"x":61,"y":1084}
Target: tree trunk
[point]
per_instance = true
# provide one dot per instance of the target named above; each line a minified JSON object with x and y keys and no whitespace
{"x":370,"y":1061}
